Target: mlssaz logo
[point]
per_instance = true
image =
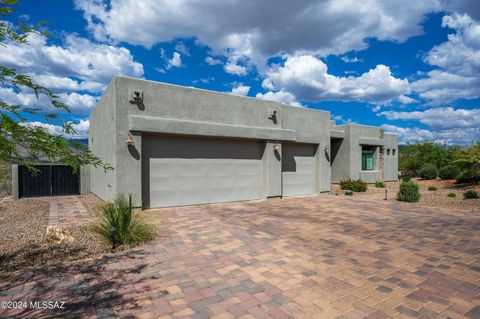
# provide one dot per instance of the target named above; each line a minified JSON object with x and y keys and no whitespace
{"x":47,"y":304}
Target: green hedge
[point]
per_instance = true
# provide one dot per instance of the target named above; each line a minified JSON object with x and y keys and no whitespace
{"x":409,"y":192}
{"x":428,"y":171}
{"x":470,"y":193}
{"x":354,"y":185}
{"x":448,"y":172}
{"x":379,"y":184}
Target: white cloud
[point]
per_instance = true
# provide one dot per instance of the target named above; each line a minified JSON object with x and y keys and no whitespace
{"x":81,"y":128}
{"x":347,"y":59}
{"x":280,"y":96}
{"x":182,"y":48}
{"x":77,"y":103}
{"x":340,"y":119}
{"x":240,"y":89}
{"x":440,"y":117}
{"x":253,"y":29}
{"x":406,"y":100}
{"x":69,"y":69}
{"x":234,"y":68}
{"x":75,"y":58}
{"x":307,"y":78}
{"x":458,"y":61}
{"x":445,"y":124}
{"x":449,"y":136}
{"x":175,"y":61}
{"x":212,"y":61}
{"x":61,"y":83}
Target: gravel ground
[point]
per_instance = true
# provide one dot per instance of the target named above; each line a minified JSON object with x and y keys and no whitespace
{"x":428,"y":198}
{"x":90,"y":202}
{"x":23,"y":226}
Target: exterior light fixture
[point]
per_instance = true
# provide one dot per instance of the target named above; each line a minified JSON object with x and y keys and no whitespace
{"x":276,"y":147}
{"x":129,"y":140}
{"x":327,"y":149}
{"x":136,"y":97}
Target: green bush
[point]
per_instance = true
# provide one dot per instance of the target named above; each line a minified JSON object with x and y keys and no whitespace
{"x":116,"y":222}
{"x":428,"y":171}
{"x":409,"y":192}
{"x":468,"y":176}
{"x":448,"y":172}
{"x":354,"y":185}
{"x":452,"y":195}
{"x":348,"y":193}
{"x":470,"y":193}
{"x":379,"y":184}
{"x":406,"y":179}
{"x":432,"y":188}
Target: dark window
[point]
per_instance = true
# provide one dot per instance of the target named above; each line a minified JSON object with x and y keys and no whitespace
{"x":393,"y":152}
{"x":367,"y":158}
{"x":388,"y":151}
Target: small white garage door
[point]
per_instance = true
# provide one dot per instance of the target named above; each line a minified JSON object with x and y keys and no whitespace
{"x":298,"y":169}
{"x":187,"y":171}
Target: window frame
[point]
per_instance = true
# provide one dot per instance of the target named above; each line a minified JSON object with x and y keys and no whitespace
{"x":370,"y":152}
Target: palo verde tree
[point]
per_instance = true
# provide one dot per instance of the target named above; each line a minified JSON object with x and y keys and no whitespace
{"x":23,"y":143}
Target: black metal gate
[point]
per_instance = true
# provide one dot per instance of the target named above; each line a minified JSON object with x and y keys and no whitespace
{"x":49,"y":180}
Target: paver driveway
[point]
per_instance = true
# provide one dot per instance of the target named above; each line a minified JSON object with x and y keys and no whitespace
{"x":309,"y":257}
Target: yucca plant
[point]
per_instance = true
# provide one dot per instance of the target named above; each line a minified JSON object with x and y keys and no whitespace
{"x":120,"y":225}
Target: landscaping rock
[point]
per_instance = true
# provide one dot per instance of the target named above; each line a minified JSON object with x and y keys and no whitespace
{"x":56,"y":235}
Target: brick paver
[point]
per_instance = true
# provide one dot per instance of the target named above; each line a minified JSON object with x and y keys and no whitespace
{"x":308,"y":257}
{"x":66,"y":211}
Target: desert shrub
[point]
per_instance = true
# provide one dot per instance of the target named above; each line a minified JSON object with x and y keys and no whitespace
{"x":432,"y":188}
{"x":406,"y":179}
{"x":413,"y":156}
{"x":468,"y":161}
{"x":451,"y":195}
{"x":470,"y":193}
{"x":428,"y":171}
{"x":116,"y":222}
{"x":348,"y":193}
{"x":379,"y":184}
{"x":448,"y":172}
{"x":409,"y":192}
{"x":468,"y":176}
{"x":354,"y":185}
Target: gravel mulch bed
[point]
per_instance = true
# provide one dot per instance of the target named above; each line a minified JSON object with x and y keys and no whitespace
{"x":90,"y":202}
{"x":23,"y":225}
{"x":437,"y":199}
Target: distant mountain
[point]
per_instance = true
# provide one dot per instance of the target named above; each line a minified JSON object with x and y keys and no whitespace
{"x":79,"y":140}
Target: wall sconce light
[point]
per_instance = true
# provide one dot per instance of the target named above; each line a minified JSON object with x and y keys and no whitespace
{"x":327,"y":149}
{"x":136,"y":97}
{"x":129,"y":140}
{"x":276,"y":147}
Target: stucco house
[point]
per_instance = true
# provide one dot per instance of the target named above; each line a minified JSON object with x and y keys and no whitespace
{"x":173,"y":145}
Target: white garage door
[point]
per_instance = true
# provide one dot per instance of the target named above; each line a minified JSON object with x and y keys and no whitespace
{"x":298,"y":169}
{"x":187,"y":171}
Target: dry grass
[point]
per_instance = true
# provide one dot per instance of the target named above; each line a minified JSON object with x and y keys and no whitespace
{"x":428,"y":198}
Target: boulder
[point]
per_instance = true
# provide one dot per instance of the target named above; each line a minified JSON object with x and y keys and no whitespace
{"x":57,"y":235}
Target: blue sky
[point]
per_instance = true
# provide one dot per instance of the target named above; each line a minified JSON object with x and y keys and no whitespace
{"x":413,"y":69}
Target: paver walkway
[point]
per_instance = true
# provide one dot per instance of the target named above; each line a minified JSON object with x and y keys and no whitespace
{"x":309,"y":257}
{"x":66,"y":211}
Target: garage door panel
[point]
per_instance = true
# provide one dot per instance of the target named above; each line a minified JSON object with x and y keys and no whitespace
{"x":189,"y":171}
{"x":196,"y":196}
{"x":298,"y":169}
{"x":205,"y":182}
{"x":202,"y":167}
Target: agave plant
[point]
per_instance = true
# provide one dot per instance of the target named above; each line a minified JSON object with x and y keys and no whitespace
{"x":120,"y":225}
